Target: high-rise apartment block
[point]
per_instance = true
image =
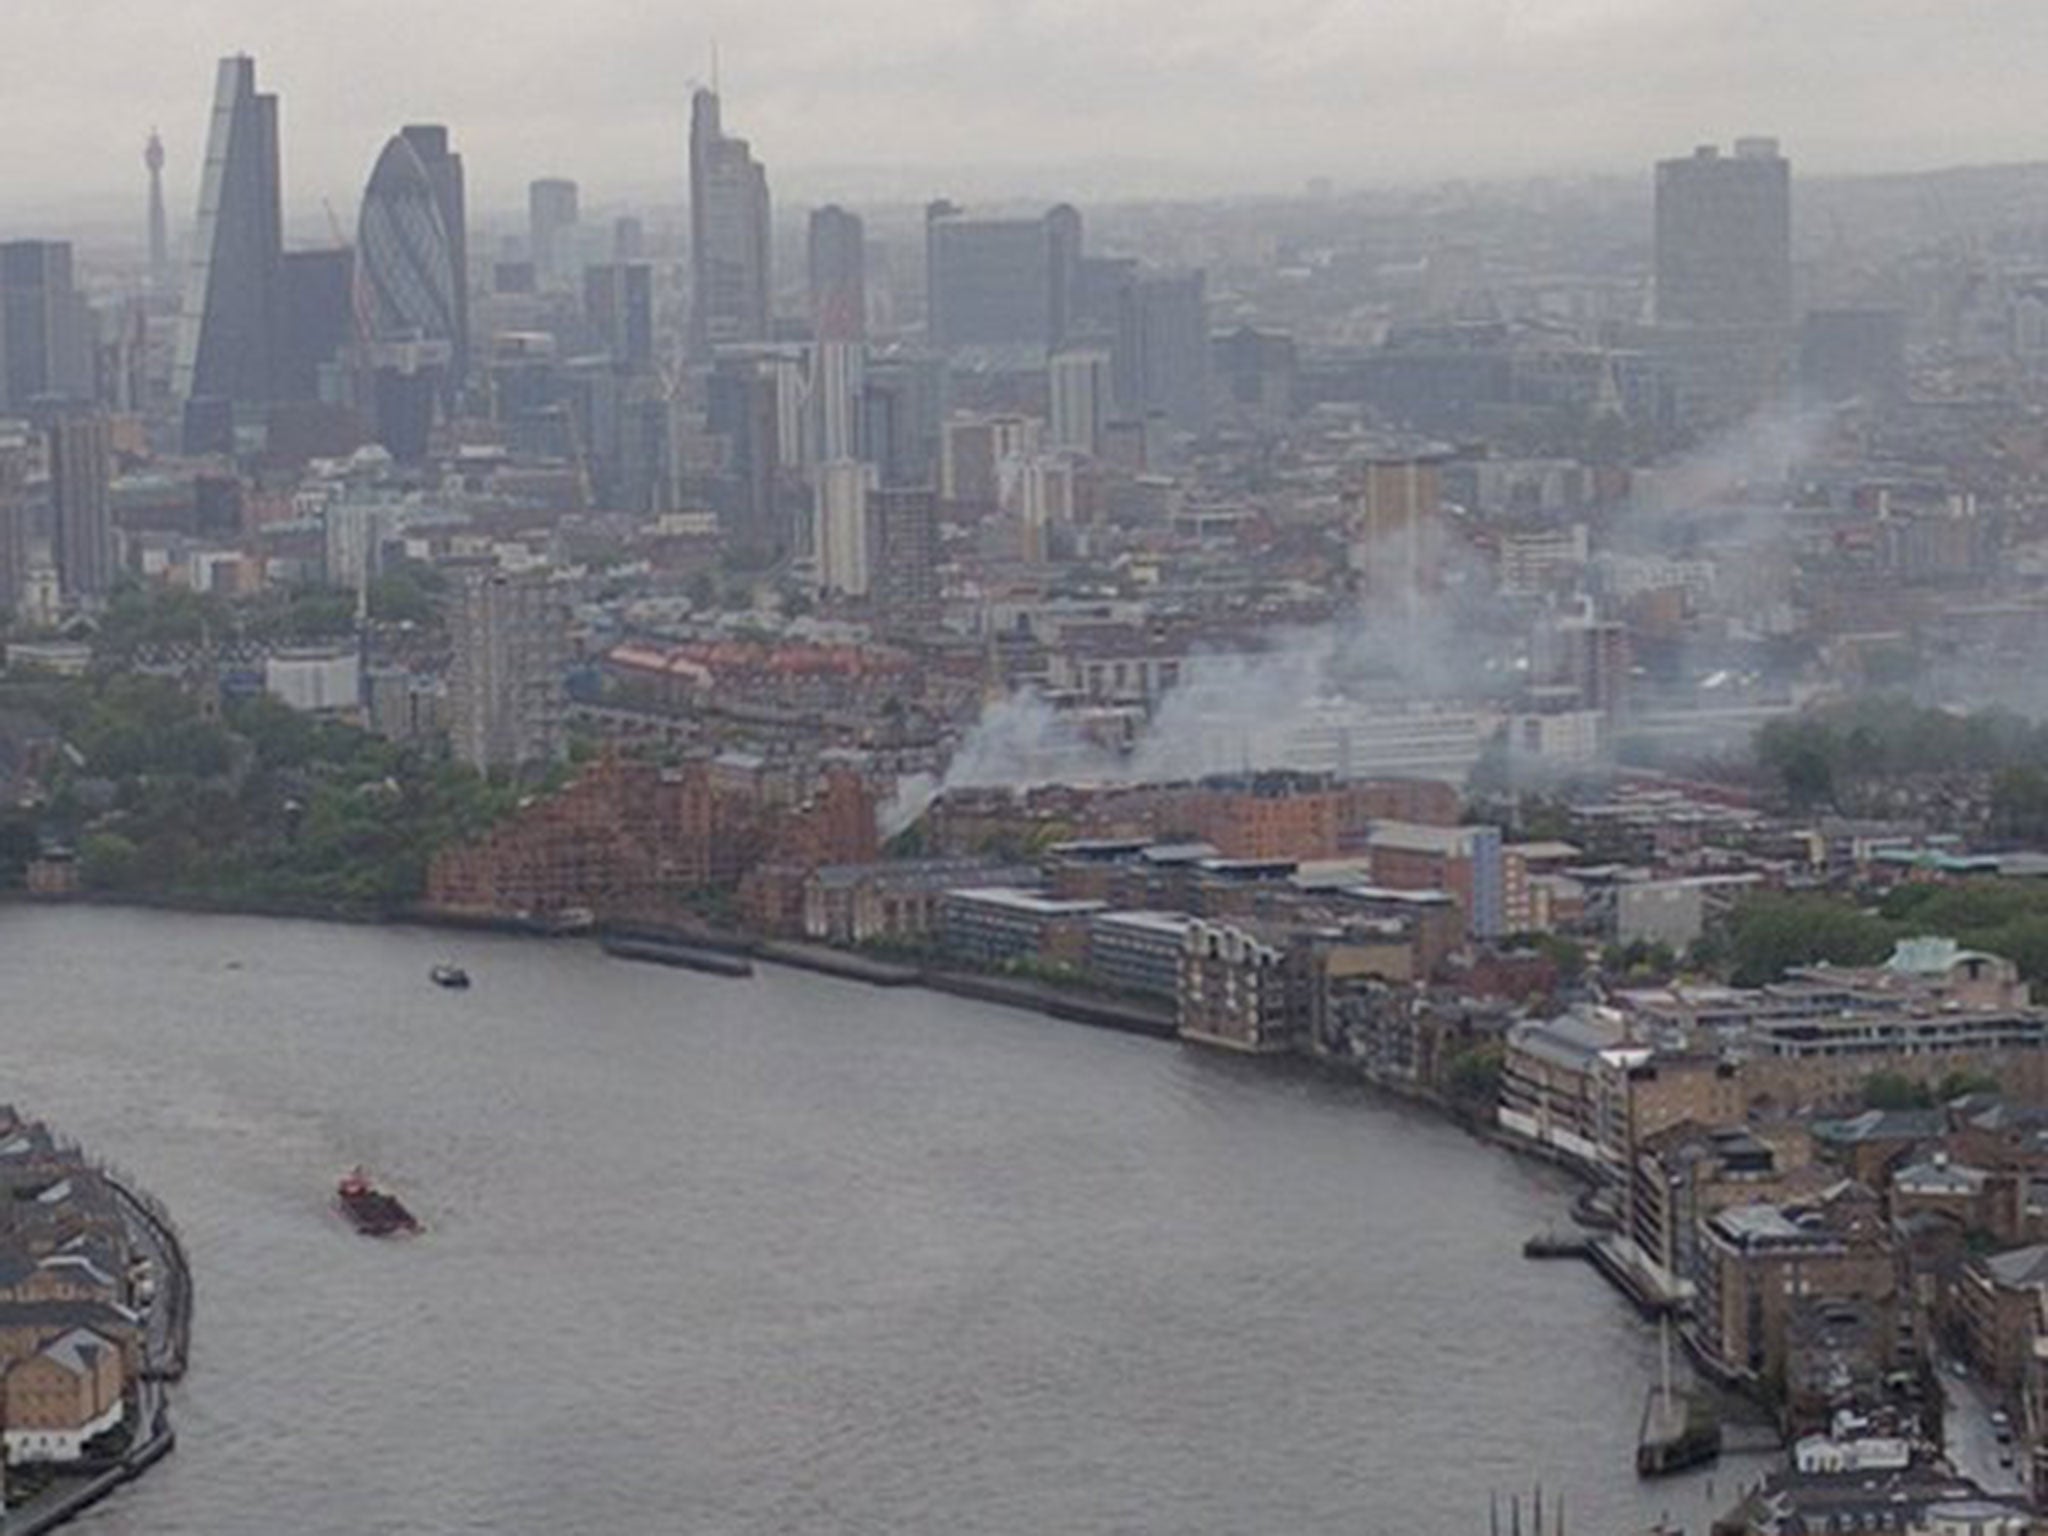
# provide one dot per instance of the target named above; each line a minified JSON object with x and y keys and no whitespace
{"x":845,"y":540}
{"x":837,"y":381}
{"x":1395,"y":509}
{"x":1723,"y":341}
{"x":905,"y":528}
{"x":81,"y":519}
{"x":729,"y":271}
{"x":510,"y":655}
{"x":1083,"y":397}
{"x":1724,"y":237}
{"x":228,"y":338}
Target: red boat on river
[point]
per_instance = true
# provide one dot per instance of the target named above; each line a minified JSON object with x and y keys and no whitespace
{"x":374,"y":1212}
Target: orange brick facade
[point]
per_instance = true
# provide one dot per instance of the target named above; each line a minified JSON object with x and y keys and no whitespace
{"x":628,"y":835}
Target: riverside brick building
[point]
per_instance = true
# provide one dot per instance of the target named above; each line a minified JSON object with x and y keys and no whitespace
{"x":630,"y":836}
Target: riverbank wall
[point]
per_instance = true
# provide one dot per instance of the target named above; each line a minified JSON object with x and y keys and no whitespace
{"x":1073,"y":1005}
{"x":173,"y":1350}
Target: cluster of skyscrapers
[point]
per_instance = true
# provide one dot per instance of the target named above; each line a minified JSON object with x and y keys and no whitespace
{"x":382,"y":326}
{"x":823,"y":436}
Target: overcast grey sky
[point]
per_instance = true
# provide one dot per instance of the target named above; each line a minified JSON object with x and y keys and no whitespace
{"x":1223,"y":94}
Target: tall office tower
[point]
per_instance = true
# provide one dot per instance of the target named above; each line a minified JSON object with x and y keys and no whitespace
{"x":406,"y":286}
{"x":742,"y":410}
{"x":510,"y":656}
{"x":227,"y":339}
{"x":444,"y":170}
{"x":729,"y":271}
{"x":159,"y":233}
{"x":1162,"y":349}
{"x":629,"y":239}
{"x":618,"y":308}
{"x":1000,"y":282}
{"x":839,"y":284}
{"x":905,"y":522}
{"x":317,"y":334}
{"x":1063,"y":271}
{"x":1099,"y":286}
{"x":838,"y":379}
{"x":1724,"y":237}
{"x":844,"y":538}
{"x":45,"y":327}
{"x":641,"y":463}
{"x":551,"y":230}
{"x":903,"y":408}
{"x":81,"y":522}
{"x":1082,"y":396}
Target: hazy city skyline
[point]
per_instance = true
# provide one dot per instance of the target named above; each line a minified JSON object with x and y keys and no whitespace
{"x":1218,"y":97}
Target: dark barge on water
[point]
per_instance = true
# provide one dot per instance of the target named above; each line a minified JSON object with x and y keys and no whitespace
{"x":374,"y":1212}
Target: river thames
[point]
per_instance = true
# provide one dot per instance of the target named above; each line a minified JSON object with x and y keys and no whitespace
{"x":791,"y":1255}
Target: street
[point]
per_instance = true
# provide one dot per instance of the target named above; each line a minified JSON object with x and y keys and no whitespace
{"x":1970,"y":1441}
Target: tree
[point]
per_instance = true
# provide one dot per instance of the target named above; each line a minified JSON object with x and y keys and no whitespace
{"x":107,"y":861}
{"x":1472,"y":1076}
{"x":1960,"y":1083}
{"x":1770,"y":934}
{"x":1566,"y":955}
{"x":2019,"y":805}
{"x":18,"y":845}
{"x":1893,"y":1090}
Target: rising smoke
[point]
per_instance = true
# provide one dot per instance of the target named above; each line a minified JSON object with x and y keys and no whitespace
{"x":1441,"y":641}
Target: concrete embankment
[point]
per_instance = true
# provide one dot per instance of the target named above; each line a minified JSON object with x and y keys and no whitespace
{"x":1076,"y":1007}
{"x":169,"y":1341}
{"x":837,"y":962}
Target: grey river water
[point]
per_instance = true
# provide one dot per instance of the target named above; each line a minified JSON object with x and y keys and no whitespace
{"x":791,"y":1255}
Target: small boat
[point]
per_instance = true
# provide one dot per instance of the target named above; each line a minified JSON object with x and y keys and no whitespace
{"x":375,"y":1212}
{"x":446,"y":975}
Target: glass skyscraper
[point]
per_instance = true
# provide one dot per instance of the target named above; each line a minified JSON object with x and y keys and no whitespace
{"x":728,"y":234}
{"x":227,"y":340}
{"x":408,"y":295}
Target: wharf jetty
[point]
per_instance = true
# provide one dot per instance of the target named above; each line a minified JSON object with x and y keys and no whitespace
{"x":1679,"y":1430}
{"x":1557,"y":1245}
